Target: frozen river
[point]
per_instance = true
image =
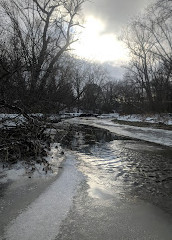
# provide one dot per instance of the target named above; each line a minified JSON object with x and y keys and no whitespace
{"x":111,"y":187}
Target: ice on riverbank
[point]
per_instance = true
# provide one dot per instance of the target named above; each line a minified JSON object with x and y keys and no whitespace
{"x":145,"y":118}
{"x":27,"y":170}
{"x":42,"y":219}
{"x":11,"y":120}
{"x":159,"y":136}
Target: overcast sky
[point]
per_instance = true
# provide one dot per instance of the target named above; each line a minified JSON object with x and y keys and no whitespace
{"x":104,"y":21}
{"x":115,"y":13}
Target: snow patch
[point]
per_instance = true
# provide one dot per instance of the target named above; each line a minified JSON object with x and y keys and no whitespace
{"x":160,"y":136}
{"x":156,"y":118}
{"x":35,"y":170}
{"x":42,"y":219}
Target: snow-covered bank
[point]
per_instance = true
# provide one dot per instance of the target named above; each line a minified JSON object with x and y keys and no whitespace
{"x":159,"y":136}
{"x":155,"y":118}
{"x":11,"y":119}
{"x":42,"y":219}
{"x":23,"y":170}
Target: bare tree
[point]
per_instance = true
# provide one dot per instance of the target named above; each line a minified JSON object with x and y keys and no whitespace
{"x":139,"y":41}
{"x":97,"y":77}
{"x":149,"y":39}
{"x":39,"y":33}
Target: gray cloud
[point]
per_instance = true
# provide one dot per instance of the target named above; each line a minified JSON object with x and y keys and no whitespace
{"x":115,"y":13}
{"x":116,"y":72}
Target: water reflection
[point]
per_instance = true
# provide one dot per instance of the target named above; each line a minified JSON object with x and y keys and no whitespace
{"x":117,"y":165}
{"x":81,"y":135}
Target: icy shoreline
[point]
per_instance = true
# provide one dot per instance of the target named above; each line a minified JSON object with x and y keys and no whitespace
{"x":40,"y":220}
{"x":165,"y":119}
{"x":158,"y":136}
{"x":25,"y":170}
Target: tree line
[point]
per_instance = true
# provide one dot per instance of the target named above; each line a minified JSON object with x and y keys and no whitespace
{"x":39,"y":74}
{"x":149,"y":73}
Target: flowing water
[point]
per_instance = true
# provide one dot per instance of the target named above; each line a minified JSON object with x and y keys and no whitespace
{"x":110,"y":187}
{"x":127,"y":192}
{"x":133,"y":168}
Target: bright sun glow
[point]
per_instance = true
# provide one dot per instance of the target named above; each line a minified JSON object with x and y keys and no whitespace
{"x":95,"y":44}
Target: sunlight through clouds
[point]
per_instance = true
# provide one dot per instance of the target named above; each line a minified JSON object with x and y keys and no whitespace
{"x":95,"y":44}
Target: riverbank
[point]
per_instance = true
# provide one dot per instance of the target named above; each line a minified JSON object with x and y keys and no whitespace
{"x":159,"y":125}
{"x":158,"y":136}
{"x":157,"y":121}
{"x":34,"y":208}
{"x":116,"y":184}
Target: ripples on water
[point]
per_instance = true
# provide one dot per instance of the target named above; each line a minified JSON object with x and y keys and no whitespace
{"x":128,"y":167}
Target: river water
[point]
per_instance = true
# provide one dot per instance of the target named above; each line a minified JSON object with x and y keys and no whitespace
{"x":110,"y":188}
{"x":127,"y":191}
